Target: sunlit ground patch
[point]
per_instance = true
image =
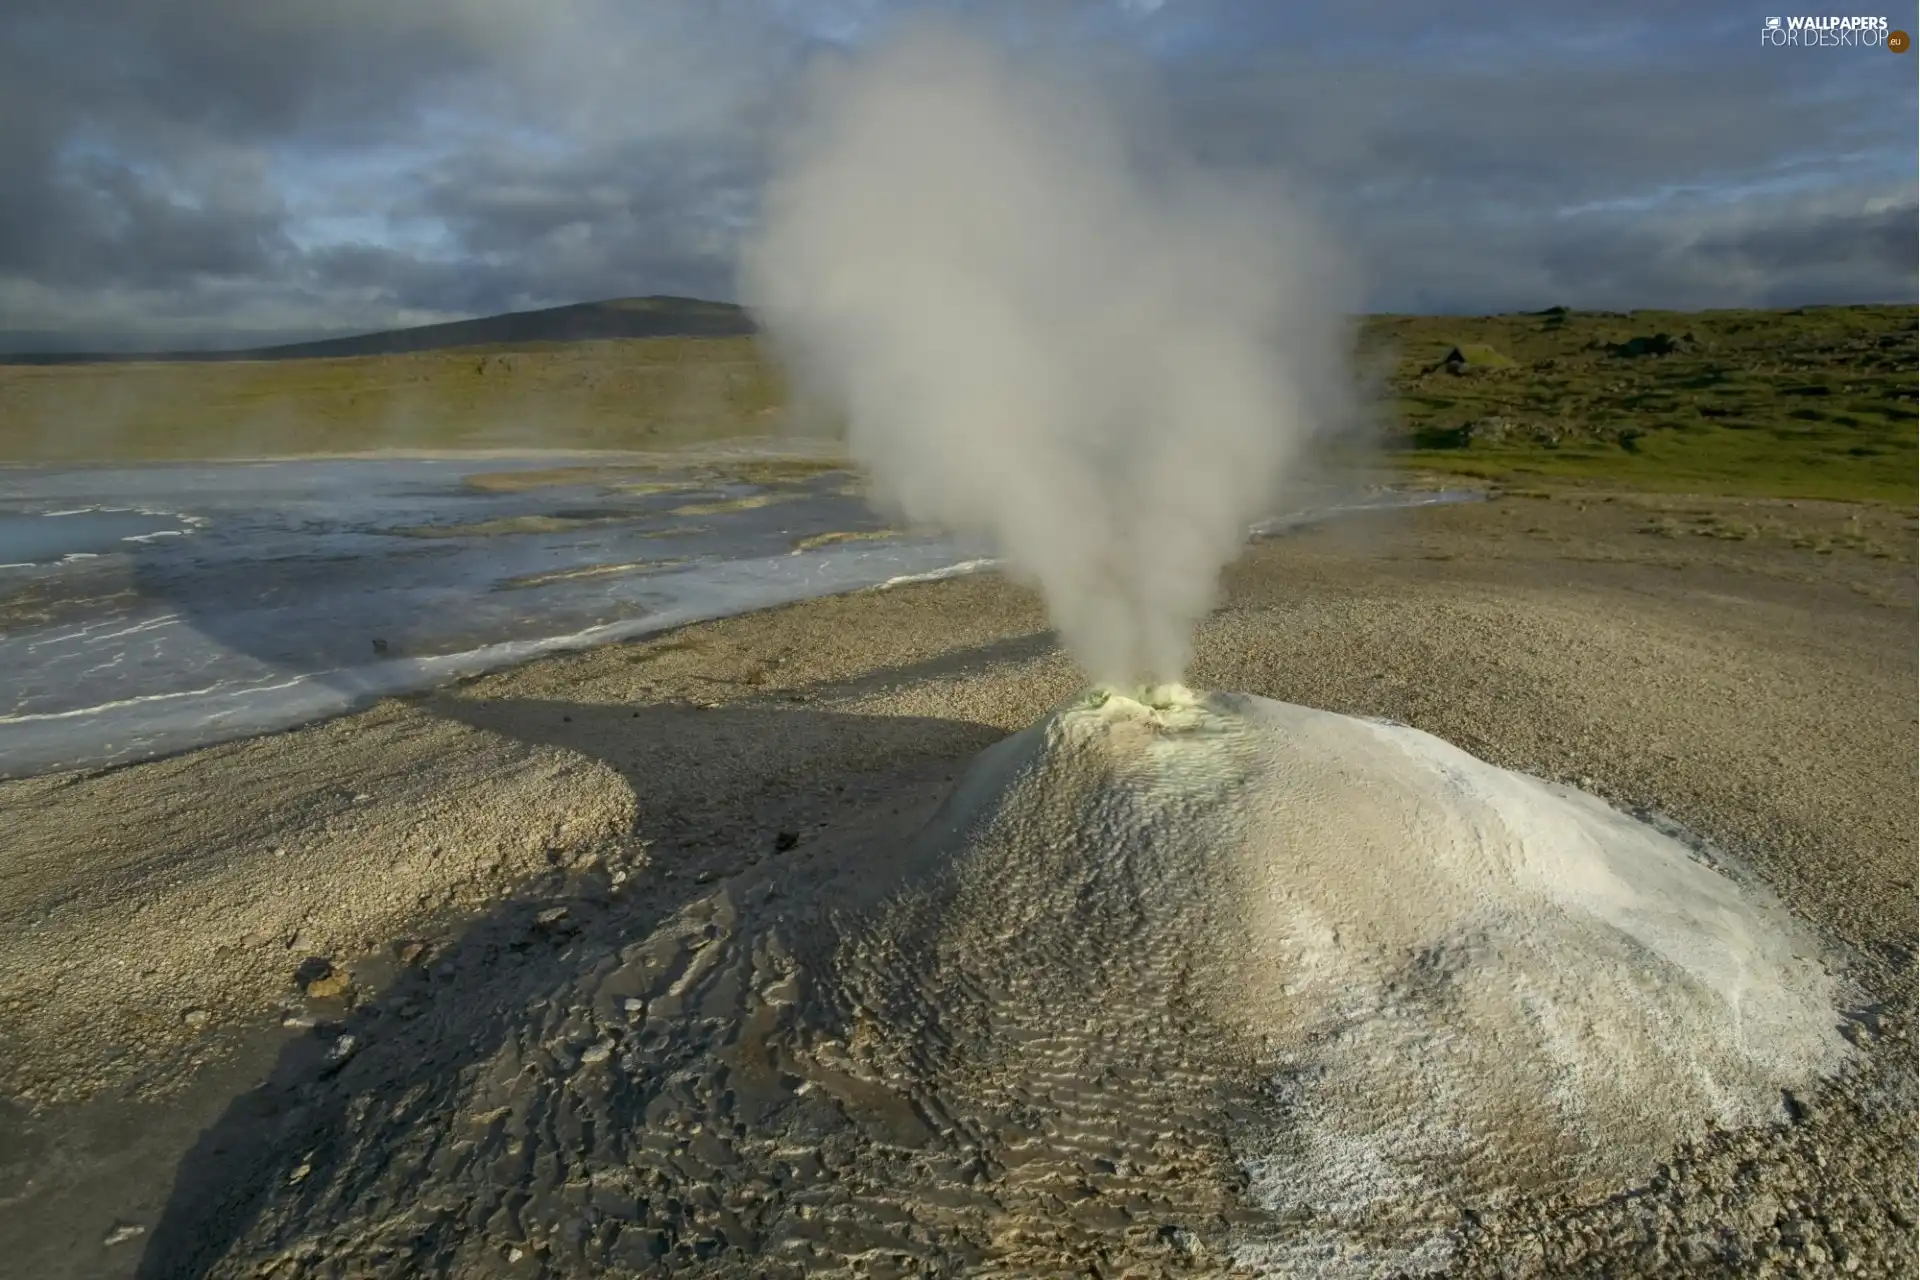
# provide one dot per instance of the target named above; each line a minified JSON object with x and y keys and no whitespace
{"x":733,"y":504}
{"x":628,"y":568}
{"x":815,"y":541}
{"x":506,"y":525}
{"x":645,"y":488}
{"x":545,"y":478}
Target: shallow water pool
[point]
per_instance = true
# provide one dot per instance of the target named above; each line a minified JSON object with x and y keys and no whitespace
{"x":146,"y":610}
{"x":61,"y":535}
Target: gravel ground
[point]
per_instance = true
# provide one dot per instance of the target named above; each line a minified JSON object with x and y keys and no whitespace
{"x":204,"y":958}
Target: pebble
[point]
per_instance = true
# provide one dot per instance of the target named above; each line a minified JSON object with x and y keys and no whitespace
{"x":343,"y":1048}
{"x":331,"y":987}
{"x":595,"y":1053}
{"x":325,"y":983}
{"x":122,"y":1233}
{"x":195,"y":1017}
{"x":1181,"y":1240}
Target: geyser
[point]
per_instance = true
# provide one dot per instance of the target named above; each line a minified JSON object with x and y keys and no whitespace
{"x":1452,"y":982}
{"x":1046,"y":332}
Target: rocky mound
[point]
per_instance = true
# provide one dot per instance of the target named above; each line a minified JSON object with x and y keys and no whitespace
{"x":1178,"y":981}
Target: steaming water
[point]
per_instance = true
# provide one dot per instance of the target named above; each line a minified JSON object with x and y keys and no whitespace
{"x":150,"y":609}
{"x":1106,"y":371}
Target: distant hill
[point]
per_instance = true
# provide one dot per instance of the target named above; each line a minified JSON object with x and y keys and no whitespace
{"x":651,"y":317}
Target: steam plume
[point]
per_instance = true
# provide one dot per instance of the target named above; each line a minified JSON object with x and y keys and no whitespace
{"x":1043,"y":329}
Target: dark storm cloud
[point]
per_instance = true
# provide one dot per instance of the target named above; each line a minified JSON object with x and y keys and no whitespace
{"x":138,"y":140}
{"x":1783,"y":254}
{"x":1637,"y":177}
{"x":238,"y":69}
{"x":1871,"y":239}
{"x":197,"y":170}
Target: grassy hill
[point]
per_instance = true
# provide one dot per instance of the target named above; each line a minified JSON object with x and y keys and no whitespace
{"x":1816,"y":402}
{"x":654,"y":317}
{"x":659,"y":316}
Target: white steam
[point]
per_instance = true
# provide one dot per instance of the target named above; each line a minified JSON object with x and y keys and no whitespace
{"x":1098,"y":355}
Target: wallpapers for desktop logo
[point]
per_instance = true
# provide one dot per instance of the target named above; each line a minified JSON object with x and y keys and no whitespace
{"x":1832,"y":32}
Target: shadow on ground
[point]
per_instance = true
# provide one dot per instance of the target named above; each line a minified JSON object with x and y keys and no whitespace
{"x":719,"y":790}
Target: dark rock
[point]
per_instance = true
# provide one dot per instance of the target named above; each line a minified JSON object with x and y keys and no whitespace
{"x":1658,"y":344}
{"x":318,"y":979}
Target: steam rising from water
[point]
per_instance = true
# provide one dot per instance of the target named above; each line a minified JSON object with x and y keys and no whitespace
{"x":1043,"y":330}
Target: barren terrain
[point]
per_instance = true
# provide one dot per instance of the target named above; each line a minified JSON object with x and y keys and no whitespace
{"x":541,"y":921}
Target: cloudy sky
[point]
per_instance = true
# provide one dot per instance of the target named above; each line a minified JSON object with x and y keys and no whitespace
{"x":206,"y":172}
